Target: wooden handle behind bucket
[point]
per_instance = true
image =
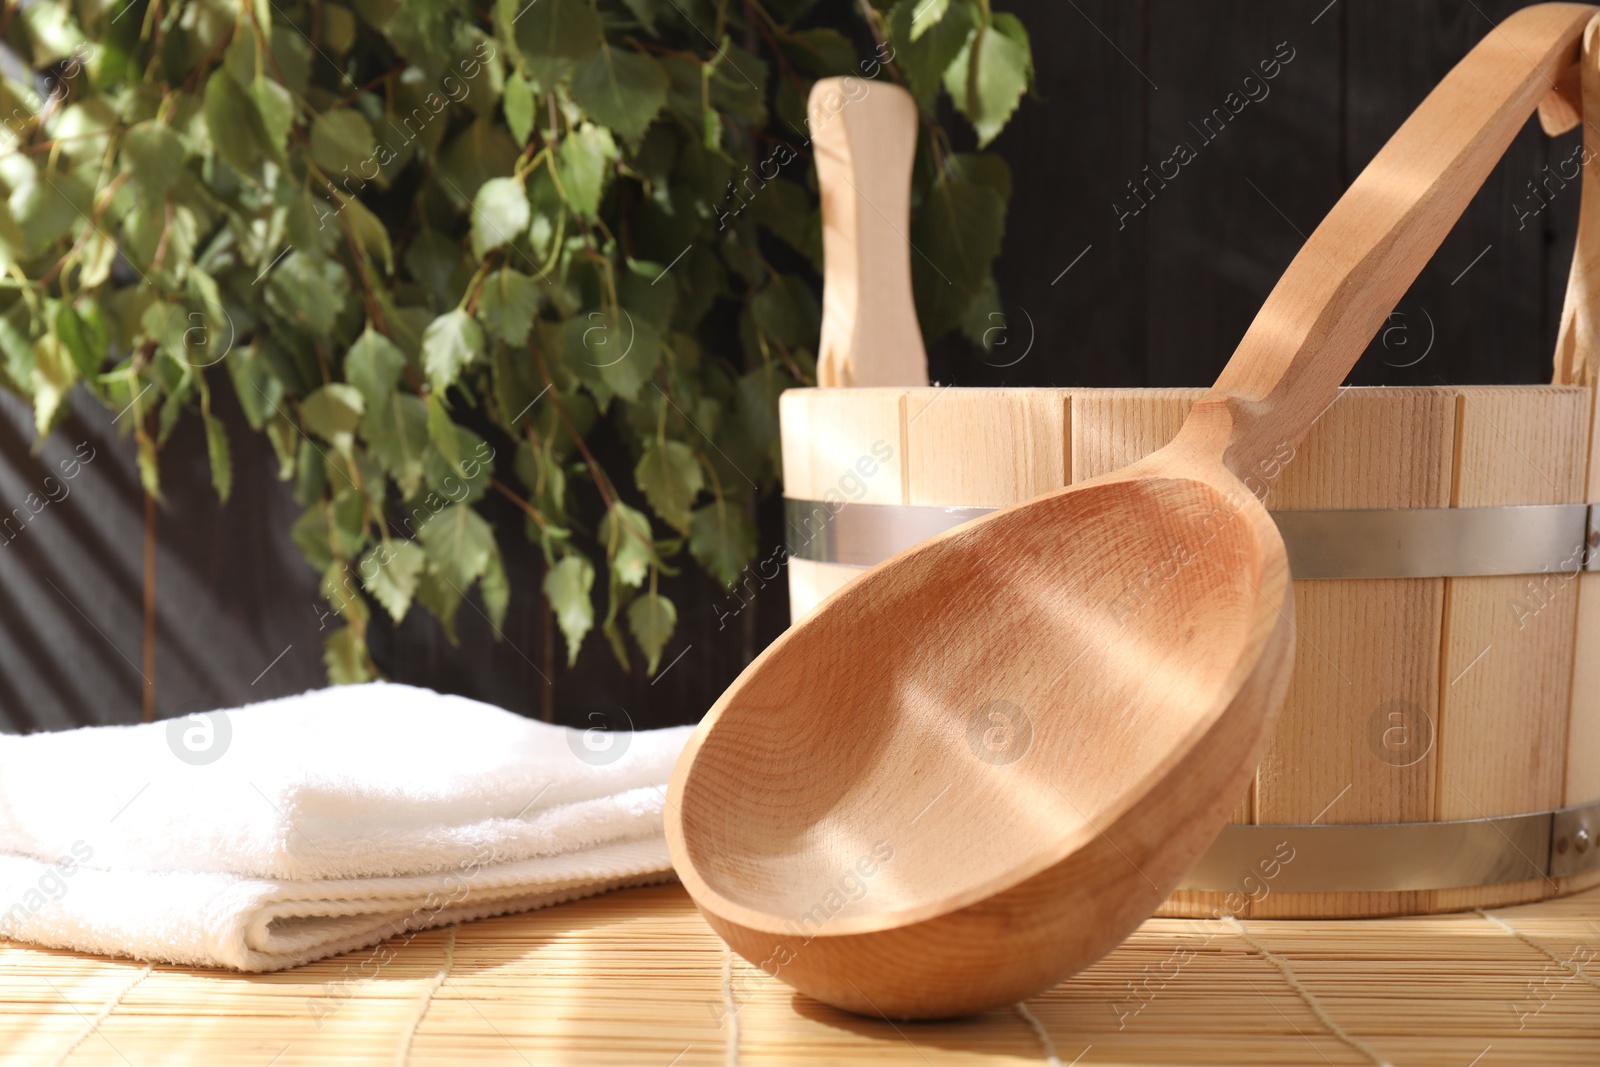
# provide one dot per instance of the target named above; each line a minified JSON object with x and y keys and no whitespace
{"x":865,"y":137}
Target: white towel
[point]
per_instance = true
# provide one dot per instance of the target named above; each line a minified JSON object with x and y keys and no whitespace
{"x":279,"y":833}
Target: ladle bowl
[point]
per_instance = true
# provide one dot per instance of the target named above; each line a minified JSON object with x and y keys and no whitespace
{"x":1011,"y":777}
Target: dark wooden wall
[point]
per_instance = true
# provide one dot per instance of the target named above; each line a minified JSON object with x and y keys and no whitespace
{"x":1157,"y":298}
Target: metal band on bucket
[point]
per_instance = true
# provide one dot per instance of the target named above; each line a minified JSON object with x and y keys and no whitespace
{"x":1390,"y":857}
{"x":1398,"y":543}
{"x":1392,"y":543}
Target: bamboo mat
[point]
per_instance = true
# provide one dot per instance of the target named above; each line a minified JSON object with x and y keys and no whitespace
{"x":637,"y":978}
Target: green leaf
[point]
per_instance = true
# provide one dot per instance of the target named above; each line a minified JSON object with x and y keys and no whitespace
{"x":276,"y":107}
{"x":240,"y":58}
{"x":373,"y":365}
{"x":612,"y":355}
{"x":467,"y":478}
{"x":583,"y":167}
{"x":652,"y":619}
{"x":285,"y":438}
{"x":787,"y":310}
{"x":984,"y":323}
{"x":310,"y":473}
{"x":982,"y":168}
{"x":442,"y":599}
{"x":332,"y":413}
{"x":987,"y":79}
{"x":220,"y":456}
{"x":670,"y":477}
{"x":16,"y":346}
{"x":495,"y":588}
{"x":309,"y":292}
{"x":621,"y":89}
{"x":86,"y":350}
{"x":507,"y":304}
{"x":442,"y":431}
{"x":625,"y":532}
{"x":344,"y":653}
{"x":338,"y":587}
{"x":234,"y":122}
{"x":723,"y":539}
{"x":499,"y":213}
{"x":371,"y":233}
{"x":958,"y":232}
{"x":396,"y":433}
{"x":479,"y":153}
{"x":153,"y":154}
{"x":923,"y":61}
{"x":46,"y":210}
{"x":617,"y":599}
{"x":738,"y":83}
{"x":519,"y":107}
{"x":926,"y":16}
{"x":458,"y":543}
{"x":568,"y":586}
{"x":757,"y":395}
{"x":389,"y":571}
{"x":310,"y":534}
{"x":438,"y":266}
{"x":54,"y":373}
{"x":513,"y":389}
{"x":340,"y":142}
{"x":338,"y":28}
{"x":450,"y":344}
{"x":627,"y":372}
{"x":551,"y":34}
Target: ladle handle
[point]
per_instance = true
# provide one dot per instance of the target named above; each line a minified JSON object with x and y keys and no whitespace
{"x":864,"y":134}
{"x":1342,"y":285}
{"x":1577,"y":360}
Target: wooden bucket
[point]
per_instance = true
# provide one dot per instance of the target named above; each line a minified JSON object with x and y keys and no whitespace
{"x":1440,"y":745}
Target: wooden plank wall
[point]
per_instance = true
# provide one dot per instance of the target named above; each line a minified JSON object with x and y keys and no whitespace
{"x":1158,"y":298}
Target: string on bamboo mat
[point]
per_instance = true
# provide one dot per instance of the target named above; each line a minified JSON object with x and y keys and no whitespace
{"x":1039,"y":1032}
{"x":730,"y":1010}
{"x":403,"y":1057}
{"x":1564,"y":962}
{"x":1306,"y":996}
{"x":102,"y":1015}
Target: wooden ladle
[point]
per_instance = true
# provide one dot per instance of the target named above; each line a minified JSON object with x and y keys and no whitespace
{"x":978,"y":767}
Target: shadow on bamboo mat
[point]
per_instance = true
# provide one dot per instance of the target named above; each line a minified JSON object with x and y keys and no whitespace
{"x":637,"y":978}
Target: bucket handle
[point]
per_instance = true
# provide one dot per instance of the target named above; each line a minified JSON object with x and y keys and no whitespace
{"x":864,"y":135}
{"x":1577,"y":358}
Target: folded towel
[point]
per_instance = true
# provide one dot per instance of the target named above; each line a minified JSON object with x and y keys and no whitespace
{"x":279,"y":833}
{"x":251,"y":924}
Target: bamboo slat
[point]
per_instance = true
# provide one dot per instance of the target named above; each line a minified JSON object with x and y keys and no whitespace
{"x":638,"y":978}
